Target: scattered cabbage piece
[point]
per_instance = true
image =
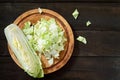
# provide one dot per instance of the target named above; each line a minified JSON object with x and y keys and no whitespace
{"x":46,"y":37}
{"x":82,"y":39}
{"x":25,"y":54}
{"x":40,"y":10}
{"x":51,"y":61}
{"x":88,"y":23}
{"x":75,"y":14}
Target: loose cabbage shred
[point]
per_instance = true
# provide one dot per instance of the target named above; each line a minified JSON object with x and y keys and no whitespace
{"x":82,"y":39}
{"x":75,"y":13}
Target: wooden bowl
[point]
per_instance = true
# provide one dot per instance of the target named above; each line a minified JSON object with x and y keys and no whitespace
{"x":33,"y":16}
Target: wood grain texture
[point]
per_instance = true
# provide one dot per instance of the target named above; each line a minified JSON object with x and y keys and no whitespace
{"x":85,"y":68}
{"x":104,"y":17}
{"x":99,"y":43}
{"x":52,"y":1}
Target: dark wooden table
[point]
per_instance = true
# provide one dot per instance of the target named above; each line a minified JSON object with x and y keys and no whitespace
{"x":99,"y":59}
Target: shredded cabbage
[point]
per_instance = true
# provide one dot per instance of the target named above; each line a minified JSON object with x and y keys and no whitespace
{"x":45,"y":37}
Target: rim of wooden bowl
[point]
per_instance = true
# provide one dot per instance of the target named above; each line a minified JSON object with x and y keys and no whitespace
{"x":65,"y":26}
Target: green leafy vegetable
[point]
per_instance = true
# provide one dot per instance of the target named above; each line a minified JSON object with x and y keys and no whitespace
{"x":75,"y":14}
{"x":82,"y":39}
{"x":25,"y":54}
{"x":46,"y":37}
{"x":88,"y":23}
{"x":40,"y":10}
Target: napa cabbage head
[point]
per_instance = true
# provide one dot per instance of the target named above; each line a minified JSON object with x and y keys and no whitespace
{"x":28,"y":59}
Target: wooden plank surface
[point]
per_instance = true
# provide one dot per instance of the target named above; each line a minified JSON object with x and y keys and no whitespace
{"x":86,"y":68}
{"x":51,"y":1}
{"x":104,"y":17}
{"x":99,"y":59}
{"x":99,"y":43}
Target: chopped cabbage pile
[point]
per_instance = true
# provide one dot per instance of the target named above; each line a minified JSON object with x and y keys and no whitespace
{"x":46,"y":37}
